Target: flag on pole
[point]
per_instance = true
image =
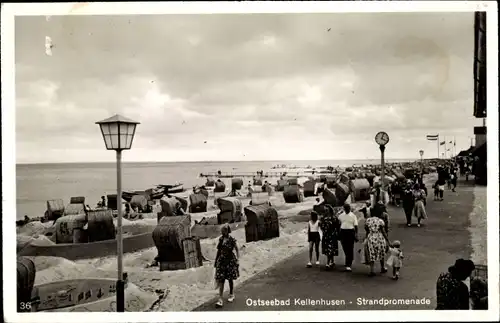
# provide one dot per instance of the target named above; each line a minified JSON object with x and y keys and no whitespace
{"x":432,"y":137}
{"x":442,"y":143}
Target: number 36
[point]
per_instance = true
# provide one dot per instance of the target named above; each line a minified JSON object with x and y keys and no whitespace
{"x":25,"y":306}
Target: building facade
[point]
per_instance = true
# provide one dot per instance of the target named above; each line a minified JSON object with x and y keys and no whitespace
{"x":480,"y":165}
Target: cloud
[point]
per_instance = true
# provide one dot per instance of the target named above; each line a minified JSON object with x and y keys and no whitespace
{"x":232,"y":86}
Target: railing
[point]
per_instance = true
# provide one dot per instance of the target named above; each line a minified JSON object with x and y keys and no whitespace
{"x":481,"y":271}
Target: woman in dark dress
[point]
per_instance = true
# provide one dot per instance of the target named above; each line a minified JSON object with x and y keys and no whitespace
{"x":396,"y":192}
{"x":330,"y":226}
{"x":226,"y":263}
{"x":408,"y":204}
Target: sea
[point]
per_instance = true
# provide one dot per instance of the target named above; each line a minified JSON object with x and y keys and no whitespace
{"x":37,"y":183}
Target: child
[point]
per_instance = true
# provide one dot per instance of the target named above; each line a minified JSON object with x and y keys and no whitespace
{"x":453,"y":182}
{"x":436,"y":191}
{"x":395,"y":259}
{"x":313,"y":237}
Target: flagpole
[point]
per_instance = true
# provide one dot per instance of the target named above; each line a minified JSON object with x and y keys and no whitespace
{"x":445,"y":151}
{"x":452,"y":150}
{"x":454,"y":147}
{"x":439,"y":156}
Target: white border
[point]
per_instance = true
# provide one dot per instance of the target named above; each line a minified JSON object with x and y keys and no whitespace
{"x":8,"y":154}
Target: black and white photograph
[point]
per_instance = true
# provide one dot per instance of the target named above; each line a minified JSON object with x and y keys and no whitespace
{"x":226,"y":165}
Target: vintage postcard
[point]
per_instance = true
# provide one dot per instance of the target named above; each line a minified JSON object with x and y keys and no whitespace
{"x":250,"y":161}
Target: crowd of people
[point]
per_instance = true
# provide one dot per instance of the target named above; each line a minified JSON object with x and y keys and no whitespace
{"x":340,"y":224}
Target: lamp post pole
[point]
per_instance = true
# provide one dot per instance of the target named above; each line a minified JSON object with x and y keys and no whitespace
{"x":382,"y":138}
{"x":382,"y":163}
{"x":421,"y":152}
{"x":118,"y":133}
{"x":120,"y":285}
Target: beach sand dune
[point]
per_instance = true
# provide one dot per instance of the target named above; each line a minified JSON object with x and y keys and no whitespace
{"x":34,"y":228}
{"x":184,"y":290}
{"x":181,"y":290}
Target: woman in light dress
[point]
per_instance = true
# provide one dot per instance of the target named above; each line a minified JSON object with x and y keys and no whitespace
{"x":419,"y":208}
{"x":395,"y":260}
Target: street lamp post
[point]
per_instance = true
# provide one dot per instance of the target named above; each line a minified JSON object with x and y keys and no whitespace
{"x":382,"y":138}
{"x":421,"y":152}
{"x":118,"y":133}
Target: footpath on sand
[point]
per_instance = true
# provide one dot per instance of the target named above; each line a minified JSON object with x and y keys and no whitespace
{"x":429,"y":250}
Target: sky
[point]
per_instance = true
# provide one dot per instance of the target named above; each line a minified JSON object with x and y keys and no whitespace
{"x":244,"y":86}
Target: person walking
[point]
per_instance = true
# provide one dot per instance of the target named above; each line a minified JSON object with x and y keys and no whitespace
{"x":424,"y":188}
{"x":226,"y":264}
{"x":102,"y":202}
{"x":397,"y":191}
{"x":250,"y":189}
{"x":454,"y":179}
{"x":440,"y":184}
{"x":379,"y":210}
{"x":313,"y":237}
{"x":330,"y":226}
{"x":348,"y":234}
{"x":376,"y":243}
{"x":449,"y":173}
{"x":419,"y":208}
{"x":451,"y":291}
{"x":395,"y":260}
{"x":436,"y":191}
{"x":408,"y":205}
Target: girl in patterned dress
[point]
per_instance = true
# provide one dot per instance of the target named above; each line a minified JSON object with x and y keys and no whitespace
{"x":330,"y":226}
{"x":376,"y":243}
{"x":226,"y":263}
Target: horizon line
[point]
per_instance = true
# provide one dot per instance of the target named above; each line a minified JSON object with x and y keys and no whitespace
{"x":218,"y":161}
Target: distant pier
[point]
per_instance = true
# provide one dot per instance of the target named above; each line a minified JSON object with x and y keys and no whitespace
{"x":266,"y":174}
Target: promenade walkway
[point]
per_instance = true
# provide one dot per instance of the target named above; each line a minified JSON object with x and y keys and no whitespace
{"x":429,"y":250}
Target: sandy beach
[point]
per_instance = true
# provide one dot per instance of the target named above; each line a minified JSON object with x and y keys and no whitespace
{"x":185,"y":290}
{"x":181,"y":290}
